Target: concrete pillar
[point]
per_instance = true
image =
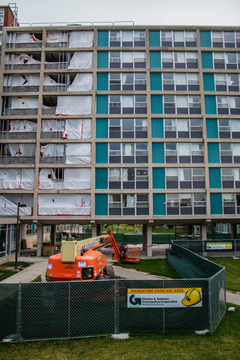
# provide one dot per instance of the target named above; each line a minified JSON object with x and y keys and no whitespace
{"x":149,"y":241}
{"x":203,"y":232}
{"x":96,"y":229}
{"x":53,"y":235}
{"x":144,"y":236}
{"x":189,"y":231}
{"x":39,"y":240}
{"x":233,"y":231}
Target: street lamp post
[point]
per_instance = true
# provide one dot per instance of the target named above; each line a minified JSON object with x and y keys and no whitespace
{"x":17,"y":235}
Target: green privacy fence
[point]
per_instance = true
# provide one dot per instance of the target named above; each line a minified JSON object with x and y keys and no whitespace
{"x":224,"y":247}
{"x":61,"y":310}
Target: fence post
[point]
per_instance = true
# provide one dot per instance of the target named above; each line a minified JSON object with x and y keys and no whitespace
{"x":19,"y":314}
{"x":116,"y":307}
{"x":69,"y":308}
{"x":163,"y":314}
{"x":235,"y":246}
{"x":203,"y":241}
{"x":210,"y":304}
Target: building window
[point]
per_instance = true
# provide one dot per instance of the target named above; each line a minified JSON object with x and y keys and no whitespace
{"x":186,"y":204}
{"x":126,"y":38}
{"x":185,"y":178}
{"x":128,"y":153}
{"x":127,"y":104}
{"x":184,"y":153}
{"x":227,"y":39}
{"x":230,"y":178}
{"x":230,"y":153}
{"x":128,"y":178}
{"x":228,"y":105}
{"x":179,"y":60}
{"x":182,"y":128}
{"x":128,"y":204}
{"x":227,"y":82}
{"x":127,"y":81}
{"x":127,"y":60}
{"x":178,"y":38}
{"x":180,"y":82}
{"x":231,"y":204}
{"x":182,"y":104}
{"x":128,"y":128}
{"x":229,"y":128}
{"x":226,"y":60}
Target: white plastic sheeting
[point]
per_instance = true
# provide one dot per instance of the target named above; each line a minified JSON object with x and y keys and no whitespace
{"x":64,"y":204}
{"x":20,"y":59}
{"x":53,"y":125}
{"x":70,"y":128}
{"x":24,"y":103}
{"x":72,"y":179}
{"x":80,"y":39}
{"x":81,"y":82}
{"x":78,"y":128}
{"x":17,"y":179}
{"x":75,"y":153}
{"x":19,"y":80}
{"x":22,"y":149}
{"x":81,"y":60}
{"x":78,"y":153}
{"x":22,"y":38}
{"x":74,"y":105}
{"x":8,"y":204}
{"x":49,"y":81}
{"x":22,"y":126}
{"x":55,"y":37}
{"x":52,"y":150}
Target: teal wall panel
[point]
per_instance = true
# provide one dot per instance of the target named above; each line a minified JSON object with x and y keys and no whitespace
{"x":156,"y":81}
{"x":214,"y":178}
{"x":208,"y":82}
{"x":102,"y":38}
{"x":101,"y":128}
{"x":205,"y":37}
{"x":101,"y":153}
{"x":157,"y":128}
{"x":155,"y":59}
{"x":159,"y":207}
{"x":158,"y":153}
{"x":207,"y":60}
{"x":213,"y":153}
{"x":101,"y":204}
{"x":156,"y":104}
{"x":158,"y":178}
{"x":102,"y":60}
{"x":101,"y":178}
{"x":154,"y":38}
{"x":210,"y":105}
{"x":216,"y":204}
{"x":102,"y":81}
{"x":212,"y":128}
{"x":102,"y":104}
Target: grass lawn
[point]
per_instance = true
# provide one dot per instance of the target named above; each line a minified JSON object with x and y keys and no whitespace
{"x":158,"y":267}
{"x":223,"y":344}
{"x":232,"y":272}
{"x":5,"y":273}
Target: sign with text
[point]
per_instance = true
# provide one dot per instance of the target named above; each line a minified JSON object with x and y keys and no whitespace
{"x":164,"y":298}
{"x":219,"y":246}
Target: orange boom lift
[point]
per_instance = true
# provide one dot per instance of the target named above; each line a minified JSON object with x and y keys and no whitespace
{"x":82,"y":260}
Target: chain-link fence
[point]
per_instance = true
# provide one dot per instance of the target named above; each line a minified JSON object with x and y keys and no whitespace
{"x":60,"y":310}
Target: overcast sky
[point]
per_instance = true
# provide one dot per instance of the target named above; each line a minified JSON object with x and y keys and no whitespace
{"x":142,"y":12}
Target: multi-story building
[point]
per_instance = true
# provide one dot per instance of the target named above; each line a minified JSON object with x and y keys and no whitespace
{"x":120,"y":124}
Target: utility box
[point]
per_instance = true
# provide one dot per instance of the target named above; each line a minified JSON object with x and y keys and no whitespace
{"x":27,"y":243}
